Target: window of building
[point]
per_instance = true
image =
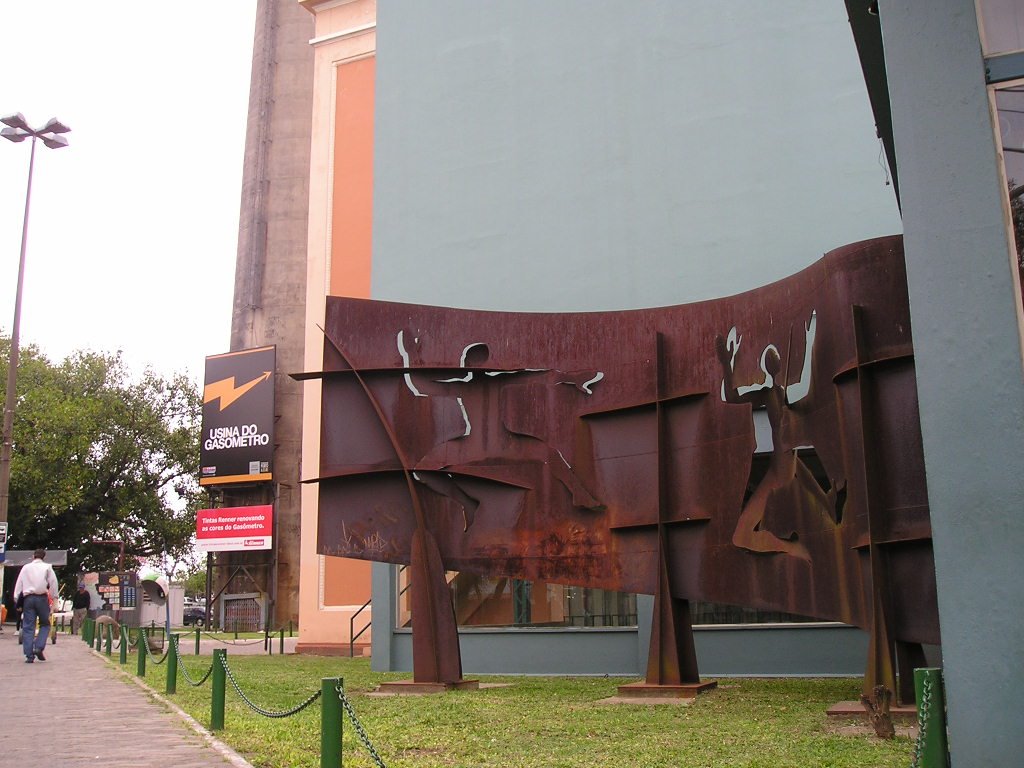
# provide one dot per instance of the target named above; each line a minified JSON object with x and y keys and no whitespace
{"x":1002,"y":26}
{"x":490,"y":601}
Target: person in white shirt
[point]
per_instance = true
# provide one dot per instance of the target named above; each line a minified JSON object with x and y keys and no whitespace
{"x":36,"y":582}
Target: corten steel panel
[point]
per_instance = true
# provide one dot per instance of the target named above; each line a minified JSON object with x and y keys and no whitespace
{"x":615,"y":449}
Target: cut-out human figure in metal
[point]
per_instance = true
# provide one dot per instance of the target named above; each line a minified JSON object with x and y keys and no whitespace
{"x":788,"y":489}
{"x":484,"y":451}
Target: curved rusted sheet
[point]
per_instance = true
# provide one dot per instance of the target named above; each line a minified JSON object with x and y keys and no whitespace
{"x":616,"y":449}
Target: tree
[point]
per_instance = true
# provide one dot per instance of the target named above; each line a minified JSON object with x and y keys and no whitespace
{"x":195,"y":581}
{"x":101,"y":455}
{"x":1017,"y":218}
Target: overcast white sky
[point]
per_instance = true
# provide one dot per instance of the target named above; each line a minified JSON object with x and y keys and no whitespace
{"x":133,"y":227}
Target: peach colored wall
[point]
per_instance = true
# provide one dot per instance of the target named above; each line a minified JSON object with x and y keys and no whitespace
{"x":332,"y":589}
{"x":352,"y":211}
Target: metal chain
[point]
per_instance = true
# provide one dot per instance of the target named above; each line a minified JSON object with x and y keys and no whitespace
{"x":184,"y":670}
{"x":152,"y":656}
{"x":232,"y":642}
{"x":360,"y":731}
{"x":924,"y":710}
{"x":258,"y":709}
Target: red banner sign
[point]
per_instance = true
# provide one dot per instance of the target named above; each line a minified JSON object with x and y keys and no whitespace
{"x":232,"y":529}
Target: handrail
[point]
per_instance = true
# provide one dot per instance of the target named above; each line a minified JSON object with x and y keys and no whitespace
{"x":351,"y":627}
{"x":404,"y":589}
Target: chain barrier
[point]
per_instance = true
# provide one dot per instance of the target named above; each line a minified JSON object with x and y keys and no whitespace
{"x":360,"y":731}
{"x":132,"y":643}
{"x":233,"y":642}
{"x":152,"y":656}
{"x":922,"y":720}
{"x":184,"y":670}
{"x":258,"y":709}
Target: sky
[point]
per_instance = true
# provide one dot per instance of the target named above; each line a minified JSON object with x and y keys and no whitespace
{"x":133,"y":227}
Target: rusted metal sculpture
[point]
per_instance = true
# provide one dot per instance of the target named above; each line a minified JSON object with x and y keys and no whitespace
{"x":625,"y":451}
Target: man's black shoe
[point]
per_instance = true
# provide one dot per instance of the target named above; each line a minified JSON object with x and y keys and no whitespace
{"x":39,"y":655}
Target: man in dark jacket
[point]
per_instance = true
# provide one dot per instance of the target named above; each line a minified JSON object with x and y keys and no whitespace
{"x":80,"y":605}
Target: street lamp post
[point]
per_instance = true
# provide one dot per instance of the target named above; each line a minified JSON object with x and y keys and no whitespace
{"x":17,"y":130}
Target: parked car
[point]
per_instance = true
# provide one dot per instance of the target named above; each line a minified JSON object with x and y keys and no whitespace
{"x":194,"y":614}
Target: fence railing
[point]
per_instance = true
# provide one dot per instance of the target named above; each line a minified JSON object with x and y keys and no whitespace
{"x":335,"y":706}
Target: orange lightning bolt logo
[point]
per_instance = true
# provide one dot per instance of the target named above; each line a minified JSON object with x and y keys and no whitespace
{"x":227,"y":392}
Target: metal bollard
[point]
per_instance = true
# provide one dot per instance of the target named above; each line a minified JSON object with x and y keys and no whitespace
{"x":330,"y":723}
{"x":110,"y":639}
{"x":99,"y":639}
{"x":282,"y":641}
{"x":931,"y":750}
{"x":87,"y":631}
{"x":123,"y":646}
{"x":219,"y":684}
{"x":197,"y":641}
{"x":172,"y":666}
{"x":140,"y":661}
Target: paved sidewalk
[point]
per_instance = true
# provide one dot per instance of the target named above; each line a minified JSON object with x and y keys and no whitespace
{"x":76,"y":709}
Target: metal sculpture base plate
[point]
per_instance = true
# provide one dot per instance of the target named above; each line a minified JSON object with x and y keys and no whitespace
{"x":408,"y":687}
{"x":646,"y":691}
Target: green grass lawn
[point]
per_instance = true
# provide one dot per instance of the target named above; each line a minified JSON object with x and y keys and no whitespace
{"x":535,"y":721}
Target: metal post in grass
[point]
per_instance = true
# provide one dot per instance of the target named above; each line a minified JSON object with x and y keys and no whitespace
{"x":218,"y":687}
{"x":282,"y":642}
{"x":87,"y":631}
{"x":931,"y":750}
{"x":330,"y":722}
{"x":99,"y":640}
{"x":123,"y":646}
{"x":172,"y":665}
{"x":110,"y":639}
{"x":197,"y":641}
{"x":140,"y":656}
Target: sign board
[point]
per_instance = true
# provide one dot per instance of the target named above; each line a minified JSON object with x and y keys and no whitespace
{"x":237,"y":443}
{"x":18,"y":557}
{"x":118,"y":590}
{"x":3,"y":541}
{"x":234,"y":529}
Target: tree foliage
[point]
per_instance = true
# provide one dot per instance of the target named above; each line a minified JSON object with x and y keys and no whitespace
{"x":100,"y":454}
{"x":1017,"y":217}
{"x":194,"y":581}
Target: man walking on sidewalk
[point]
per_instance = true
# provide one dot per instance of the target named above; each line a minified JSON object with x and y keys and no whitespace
{"x":36,"y":582}
{"x":80,"y":605}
